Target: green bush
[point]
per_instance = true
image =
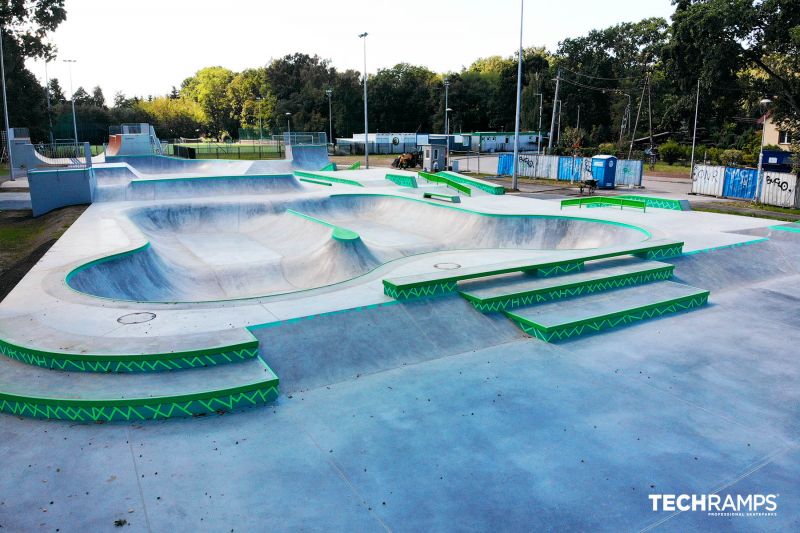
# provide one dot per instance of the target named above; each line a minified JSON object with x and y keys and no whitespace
{"x":731,"y":157}
{"x":670,"y":152}
{"x":607,"y":148}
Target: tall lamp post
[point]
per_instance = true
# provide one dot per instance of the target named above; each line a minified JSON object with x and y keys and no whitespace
{"x":519,"y":98}
{"x":260,"y":130}
{"x":74,"y":120}
{"x":447,"y":138}
{"x":5,"y":105}
{"x":329,"y":92}
{"x":289,"y":126}
{"x":539,"y":133}
{"x":47,"y":94}
{"x":765,"y":104}
{"x":366,"y":123}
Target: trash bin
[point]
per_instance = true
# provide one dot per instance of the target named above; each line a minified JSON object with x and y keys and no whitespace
{"x":604,"y":170}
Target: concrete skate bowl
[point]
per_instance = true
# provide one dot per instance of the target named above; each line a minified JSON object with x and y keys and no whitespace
{"x":223,"y":251}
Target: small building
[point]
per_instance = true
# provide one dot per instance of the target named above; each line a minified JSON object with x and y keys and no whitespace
{"x":503,"y":141}
{"x":774,"y":135}
{"x":433,"y":157}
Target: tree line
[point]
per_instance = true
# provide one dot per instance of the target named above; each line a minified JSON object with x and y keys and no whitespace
{"x":641,"y":75}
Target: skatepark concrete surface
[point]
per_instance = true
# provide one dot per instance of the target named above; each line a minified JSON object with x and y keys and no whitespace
{"x":420,"y":415}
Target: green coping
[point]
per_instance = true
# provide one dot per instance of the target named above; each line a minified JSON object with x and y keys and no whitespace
{"x":567,"y":290}
{"x":436,"y":178}
{"x":329,"y":166}
{"x":148,"y":408}
{"x":611,"y":320}
{"x":402,"y":180}
{"x":485,"y":186}
{"x":355,"y":166}
{"x":339,"y":233}
{"x":151,"y":362}
{"x":600,"y":201}
{"x":301,"y":174}
{"x":791,"y":229}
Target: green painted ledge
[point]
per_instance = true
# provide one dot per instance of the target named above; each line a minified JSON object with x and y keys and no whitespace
{"x":402,"y":180}
{"x":302,"y":174}
{"x":485,"y":186}
{"x":659,"y":203}
{"x":112,"y":363}
{"x":140,"y":409}
{"x":355,"y":166}
{"x":339,"y":233}
{"x":444,"y":180}
{"x":609,"y":321}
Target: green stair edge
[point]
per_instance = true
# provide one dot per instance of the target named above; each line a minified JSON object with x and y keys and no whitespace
{"x":122,"y":363}
{"x":339,"y":233}
{"x":568,"y":290}
{"x":402,"y":180}
{"x":610,"y":320}
{"x":444,"y":180}
{"x":140,"y":409}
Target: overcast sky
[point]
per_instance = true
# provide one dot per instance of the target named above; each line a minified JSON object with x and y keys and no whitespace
{"x":143,"y":47}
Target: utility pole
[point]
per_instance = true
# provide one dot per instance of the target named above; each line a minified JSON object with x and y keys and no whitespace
{"x":650,"y":111}
{"x":539,"y":133}
{"x":636,"y":124}
{"x":519,"y":99}
{"x":578,"y":125}
{"x":5,"y":104}
{"x":694,"y":130}
{"x":559,"y":121}
{"x":553,"y":120}
{"x":366,"y":124}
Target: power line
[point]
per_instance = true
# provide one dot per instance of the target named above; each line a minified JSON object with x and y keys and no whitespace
{"x":594,"y":88}
{"x":600,"y":77}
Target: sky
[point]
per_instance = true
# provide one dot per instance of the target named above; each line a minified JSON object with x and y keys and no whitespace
{"x":143,"y":47}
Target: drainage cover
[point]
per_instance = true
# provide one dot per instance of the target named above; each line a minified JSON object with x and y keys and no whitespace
{"x":447,"y":266}
{"x":136,"y":318}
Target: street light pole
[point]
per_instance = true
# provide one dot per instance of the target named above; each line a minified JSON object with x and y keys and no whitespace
{"x":366,"y":122}
{"x":289,"y":126}
{"x":765,"y":103}
{"x":5,"y":105}
{"x":260,"y":134}
{"x":47,"y":93}
{"x":447,"y":138}
{"x":74,"y":120}
{"x":519,"y":99}
{"x":329,"y":92}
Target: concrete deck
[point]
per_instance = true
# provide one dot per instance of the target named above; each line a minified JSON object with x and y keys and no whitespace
{"x":426,"y":415}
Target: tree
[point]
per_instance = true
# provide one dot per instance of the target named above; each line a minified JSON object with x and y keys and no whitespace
{"x":298,"y":82}
{"x":97,"y":97}
{"x":173,"y":117}
{"x":400,"y":98}
{"x":81,"y":97}
{"x":209,"y":88}
{"x":56,"y":92}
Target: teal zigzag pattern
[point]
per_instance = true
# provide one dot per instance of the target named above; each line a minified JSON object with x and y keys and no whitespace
{"x":569,"y":292}
{"x":660,"y":203}
{"x":109,"y":365}
{"x":424,"y":291}
{"x":567,"y":268}
{"x":663,"y":253}
{"x":602,"y":323}
{"x":107,"y":413}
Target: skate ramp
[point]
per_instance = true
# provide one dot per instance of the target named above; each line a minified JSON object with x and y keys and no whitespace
{"x":236,"y":250}
{"x":308,"y":156}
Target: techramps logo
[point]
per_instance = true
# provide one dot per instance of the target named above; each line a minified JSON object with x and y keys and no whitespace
{"x":731,"y":505}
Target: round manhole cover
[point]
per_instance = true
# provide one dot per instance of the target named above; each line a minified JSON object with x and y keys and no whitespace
{"x":447,"y":266}
{"x":136,"y":318}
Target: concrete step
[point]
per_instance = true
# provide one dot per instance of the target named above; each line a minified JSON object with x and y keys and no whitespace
{"x":510,"y":291}
{"x":559,"y":320}
{"x":32,"y":391}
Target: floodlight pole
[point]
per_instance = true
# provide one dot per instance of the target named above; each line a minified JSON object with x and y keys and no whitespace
{"x":539,"y":133}
{"x":329,"y":92}
{"x":74,"y":120}
{"x":446,"y":125}
{"x":553,"y":119}
{"x":47,"y":93}
{"x":519,"y":99}
{"x":5,"y":104}
{"x":366,"y":123}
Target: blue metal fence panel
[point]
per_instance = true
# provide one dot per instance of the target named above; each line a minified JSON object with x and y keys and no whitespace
{"x":740,"y":183}
{"x":629,"y":172}
{"x":505,"y":164}
{"x":569,"y":168}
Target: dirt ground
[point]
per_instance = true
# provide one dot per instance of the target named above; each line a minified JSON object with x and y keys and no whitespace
{"x":374,"y":160}
{"x":24,"y":240}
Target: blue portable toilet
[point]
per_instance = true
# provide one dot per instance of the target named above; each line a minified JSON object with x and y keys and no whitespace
{"x":604,"y":170}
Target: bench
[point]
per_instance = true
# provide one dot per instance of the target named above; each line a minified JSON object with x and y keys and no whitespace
{"x":602,"y":201}
{"x":446,"y":282}
{"x":454,"y":198}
